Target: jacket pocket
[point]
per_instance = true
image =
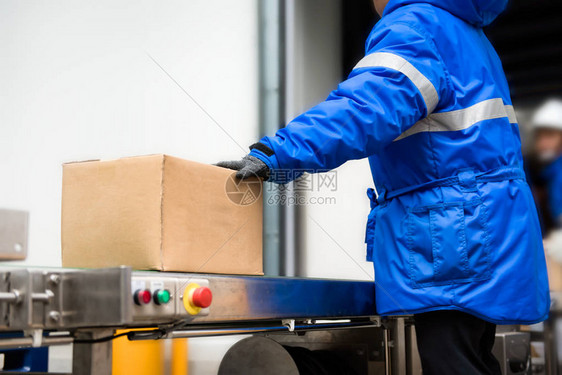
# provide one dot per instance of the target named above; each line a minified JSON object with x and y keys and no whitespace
{"x":448,"y":243}
{"x":370,"y":233}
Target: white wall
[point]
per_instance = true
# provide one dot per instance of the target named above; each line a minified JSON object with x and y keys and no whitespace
{"x":333,"y":244}
{"x":76,"y":82}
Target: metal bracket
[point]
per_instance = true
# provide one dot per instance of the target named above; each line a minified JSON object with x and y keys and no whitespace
{"x":289,"y":323}
{"x":43,"y":297}
{"x":36,"y":337}
{"x":10,"y":297}
{"x":376,"y":320}
{"x":72,"y":302}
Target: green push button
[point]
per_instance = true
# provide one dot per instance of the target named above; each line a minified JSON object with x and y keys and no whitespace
{"x":161,"y":296}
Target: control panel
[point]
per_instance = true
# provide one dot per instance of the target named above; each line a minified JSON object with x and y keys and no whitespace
{"x":156,"y":296}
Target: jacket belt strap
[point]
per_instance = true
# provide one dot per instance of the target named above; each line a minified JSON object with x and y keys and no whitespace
{"x":466,"y":178}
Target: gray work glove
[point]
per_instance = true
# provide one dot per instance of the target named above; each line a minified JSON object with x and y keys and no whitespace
{"x":248,"y":166}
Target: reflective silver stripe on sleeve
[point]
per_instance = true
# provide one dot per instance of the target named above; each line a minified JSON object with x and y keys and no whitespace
{"x":395,"y":62}
{"x":511,"y":114}
{"x":463,"y":118}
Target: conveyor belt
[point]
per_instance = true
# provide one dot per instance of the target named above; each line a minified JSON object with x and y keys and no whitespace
{"x":64,"y":299}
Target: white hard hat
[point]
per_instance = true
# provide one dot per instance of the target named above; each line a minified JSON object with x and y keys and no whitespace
{"x":549,"y":115}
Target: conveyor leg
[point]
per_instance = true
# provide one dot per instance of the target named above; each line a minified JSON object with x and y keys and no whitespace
{"x":551,"y":345}
{"x":413,"y":364}
{"x":92,"y":358}
{"x":395,"y":346}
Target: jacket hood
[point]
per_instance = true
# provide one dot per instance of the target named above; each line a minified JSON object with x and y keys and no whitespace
{"x":476,"y":12}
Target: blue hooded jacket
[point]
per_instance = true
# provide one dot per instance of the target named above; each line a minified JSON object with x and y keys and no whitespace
{"x":453,"y":225}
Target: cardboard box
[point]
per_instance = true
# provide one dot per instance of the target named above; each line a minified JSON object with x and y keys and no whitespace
{"x":159,"y":212}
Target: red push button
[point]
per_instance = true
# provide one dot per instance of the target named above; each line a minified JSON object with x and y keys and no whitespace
{"x":202,"y":297}
{"x":142,"y":297}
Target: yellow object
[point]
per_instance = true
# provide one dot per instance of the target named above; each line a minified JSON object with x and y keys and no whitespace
{"x":179,"y":357}
{"x":143,"y":357}
{"x":187,"y":293}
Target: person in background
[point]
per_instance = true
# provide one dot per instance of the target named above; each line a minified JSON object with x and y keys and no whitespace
{"x":545,"y":171}
{"x":453,"y":230}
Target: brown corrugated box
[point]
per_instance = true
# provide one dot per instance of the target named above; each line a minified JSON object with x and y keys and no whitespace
{"x":159,"y":212}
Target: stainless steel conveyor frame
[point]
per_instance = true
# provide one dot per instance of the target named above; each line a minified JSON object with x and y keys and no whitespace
{"x":55,"y":306}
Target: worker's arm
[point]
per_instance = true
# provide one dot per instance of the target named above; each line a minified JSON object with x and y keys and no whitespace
{"x":398,"y":83}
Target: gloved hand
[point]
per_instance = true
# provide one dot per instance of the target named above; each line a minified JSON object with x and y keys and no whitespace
{"x":248,"y":166}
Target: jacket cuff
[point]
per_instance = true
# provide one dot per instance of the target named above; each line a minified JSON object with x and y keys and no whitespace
{"x":263,"y":148}
{"x":265,"y":153}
